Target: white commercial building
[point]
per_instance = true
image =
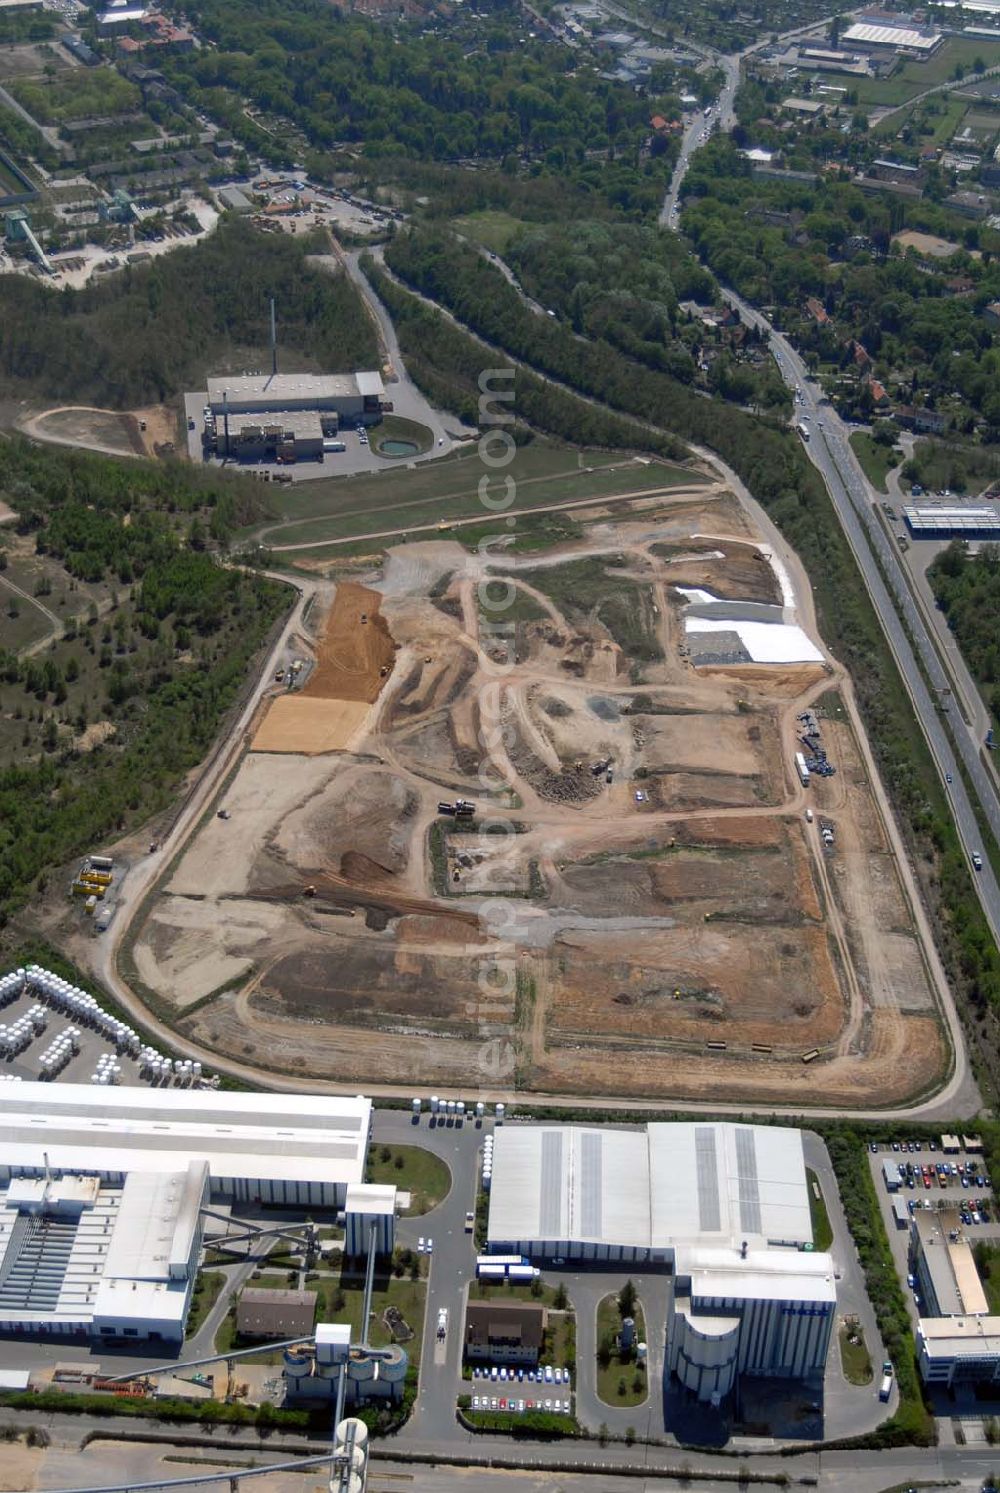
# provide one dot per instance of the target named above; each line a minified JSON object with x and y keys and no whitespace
{"x":303,"y":1150}
{"x":81,"y":1256}
{"x":369,"y":1205}
{"x":101,"y":1192}
{"x":351,"y":396}
{"x":727,"y":1206}
{"x":955,"y":1350}
{"x":873,"y":37}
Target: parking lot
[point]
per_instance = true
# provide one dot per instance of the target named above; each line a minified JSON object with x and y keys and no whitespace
{"x":933,"y":1179}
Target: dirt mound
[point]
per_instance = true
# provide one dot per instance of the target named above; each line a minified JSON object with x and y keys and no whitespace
{"x":355,"y":648}
{"x":362,"y":869}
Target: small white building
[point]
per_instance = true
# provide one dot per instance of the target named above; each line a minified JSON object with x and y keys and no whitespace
{"x":369,"y":1205}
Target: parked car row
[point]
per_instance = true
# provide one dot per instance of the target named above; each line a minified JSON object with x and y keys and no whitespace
{"x":941,"y":1174}
{"x":555,"y":1407}
{"x":545,"y":1374}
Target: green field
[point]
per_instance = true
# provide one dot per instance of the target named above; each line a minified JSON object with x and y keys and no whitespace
{"x":854,"y":1356}
{"x":431,"y":495}
{"x":21,"y":622}
{"x":618,"y":1383}
{"x":916,"y":77}
{"x":412,"y":1169}
{"x":494,"y":230}
{"x":943,"y":114}
{"x":877,"y":461}
{"x":78,"y":93}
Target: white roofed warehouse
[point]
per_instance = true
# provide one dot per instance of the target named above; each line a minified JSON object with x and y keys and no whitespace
{"x":102,"y":1191}
{"x":726,"y":1206}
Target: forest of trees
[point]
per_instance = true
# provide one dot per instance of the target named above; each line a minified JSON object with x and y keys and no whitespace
{"x":967,"y":587}
{"x":778,"y":242}
{"x":343,"y":79}
{"x":157,"y":667}
{"x":153,"y":330}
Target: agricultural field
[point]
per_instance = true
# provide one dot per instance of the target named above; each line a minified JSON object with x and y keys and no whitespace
{"x":638,"y":904}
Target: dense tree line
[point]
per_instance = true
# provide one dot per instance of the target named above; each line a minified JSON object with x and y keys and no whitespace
{"x":779,"y":242}
{"x":447,"y":364}
{"x":155,"y":329}
{"x":160,"y":667}
{"x":344,"y":81}
{"x":967,"y":588}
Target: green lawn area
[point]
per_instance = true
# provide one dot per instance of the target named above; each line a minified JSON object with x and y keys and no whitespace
{"x":204,"y":1296}
{"x":494,"y":230}
{"x":77,"y":93}
{"x":437,"y":492}
{"x":916,"y":77}
{"x":818,"y":1216}
{"x":618,"y":1383}
{"x":21,"y":622}
{"x":395,"y":428}
{"x":876,"y":460}
{"x":412,"y":1169}
{"x":942,"y":114}
{"x":854,"y":1356}
{"x":486,"y":1290}
{"x":341,"y":1299}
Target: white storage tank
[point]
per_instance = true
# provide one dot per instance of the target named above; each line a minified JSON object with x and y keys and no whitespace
{"x":360,"y":1368}
{"x":393,"y":1368}
{"x":297,"y":1363}
{"x":415,"y":1106}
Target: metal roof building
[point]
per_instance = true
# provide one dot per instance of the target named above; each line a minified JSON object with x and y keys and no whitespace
{"x":865,"y":34}
{"x":350,"y":395}
{"x":301,"y":1149}
{"x":79,"y":1254}
{"x":637,"y":1194}
{"x":953,"y":520}
{"x":726,"y":1205}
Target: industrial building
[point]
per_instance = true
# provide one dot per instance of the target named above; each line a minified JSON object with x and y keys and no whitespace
{"x":303,"y":1150}
{"x":86,"y":1255}
{"x":102,"y":1191}
{"x":726,"y":1206}
{"x":368,"y":1206}
{"x":878,"y":33}
{"x":957,"y":1339}
{"x":313,"y":1371}
{"x":287,"y":417}
{"x":356,"y":397}
{"x":952,"y":521}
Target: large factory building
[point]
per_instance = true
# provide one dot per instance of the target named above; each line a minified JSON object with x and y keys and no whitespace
{"x":101,"y":1192}
{"x":726,"y":1207}
{"x":287,"y":416}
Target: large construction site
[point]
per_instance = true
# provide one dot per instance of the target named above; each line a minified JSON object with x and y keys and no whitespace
{"x":613,"y":807}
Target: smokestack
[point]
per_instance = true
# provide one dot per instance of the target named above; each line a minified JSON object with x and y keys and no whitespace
{"x":225,"y":420}
{"x":274,"y":343}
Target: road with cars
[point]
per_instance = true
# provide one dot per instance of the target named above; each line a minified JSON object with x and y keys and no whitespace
{"x":885,"y":576}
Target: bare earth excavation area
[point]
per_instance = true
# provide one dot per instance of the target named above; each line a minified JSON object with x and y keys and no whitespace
{"x":677,"y":924}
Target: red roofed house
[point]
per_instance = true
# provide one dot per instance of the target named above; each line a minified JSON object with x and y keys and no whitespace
{"x":817,"y":311}
{"x":658,"y":122}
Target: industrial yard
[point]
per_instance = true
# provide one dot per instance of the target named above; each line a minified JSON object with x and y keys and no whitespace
{"x":676,"y":881}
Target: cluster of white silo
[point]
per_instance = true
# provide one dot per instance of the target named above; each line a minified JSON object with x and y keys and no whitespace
{"x":181,"y":1072}
{"x":11,"y":986}
{"x":10,"y":1078}
{"x":60,"y":1050}
{"x":63,"y":996}
{"x":350,"y":1446}
{"x":108,"y":1071}
{"x":487,"y":1163}
{"x":22,"y":1032}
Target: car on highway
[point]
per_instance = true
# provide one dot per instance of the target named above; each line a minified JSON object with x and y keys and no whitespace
{"x":977,"y":860}
{"x":947,"y":777}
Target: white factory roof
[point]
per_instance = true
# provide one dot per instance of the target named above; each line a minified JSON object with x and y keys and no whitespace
{"x":760,"y":1275}
{"x":370,"y":1197}
{"x":670,"y":1184}
{"x":951,"y":516}
{"x":296,"y":1137}
{"x":121,"y":1252}
{"x":891,"y":36}
{"x":279,"y":386}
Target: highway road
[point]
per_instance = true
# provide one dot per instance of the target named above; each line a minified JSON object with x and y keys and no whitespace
{"x":885,"y":577}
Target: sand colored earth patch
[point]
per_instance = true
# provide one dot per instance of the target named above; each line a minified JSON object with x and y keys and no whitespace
{"x":306,"y":724}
